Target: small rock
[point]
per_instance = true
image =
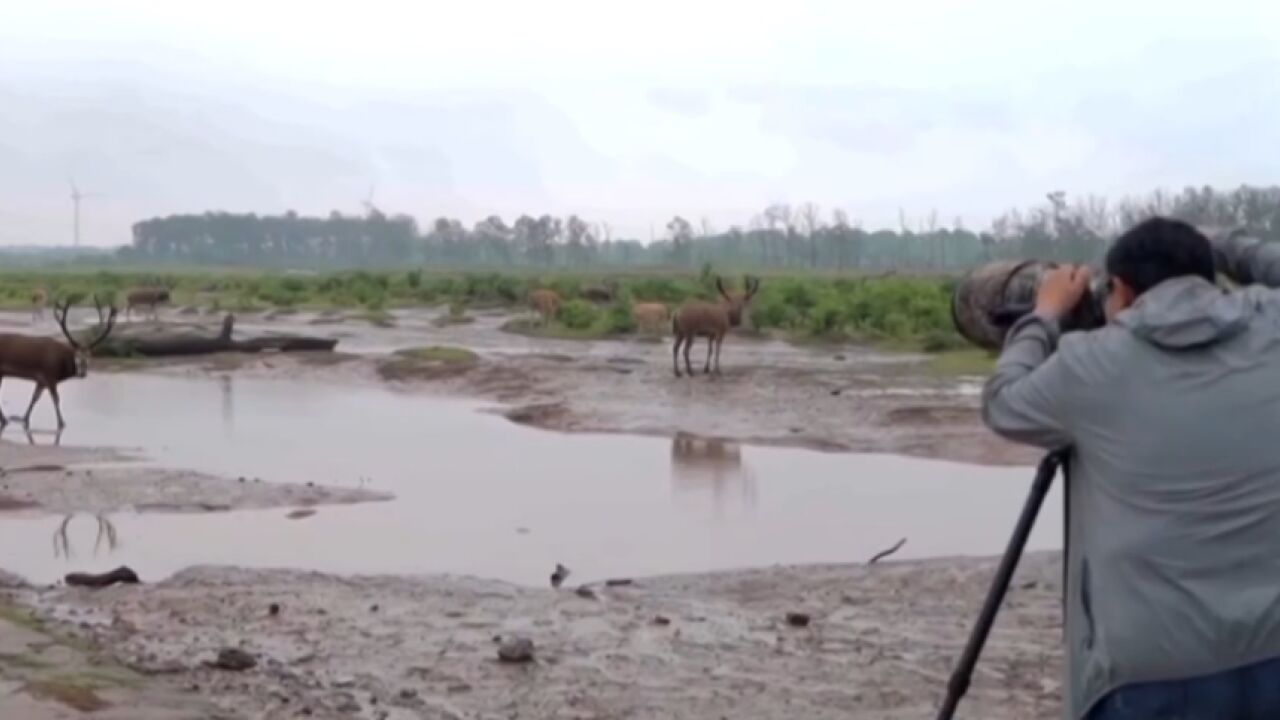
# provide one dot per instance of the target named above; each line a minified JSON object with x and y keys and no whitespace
{"x":837,"y":391}
{"x":619,"y":582}
{"x":458,"y":688}
{"x":346,"y":681}
{"x":234,"y":659}
{"x":408,"y":694}
{"x":798,"y":619}
{"x":311,"y":484}
{"x":242,"y":478}
{"x":558,"y":577}
{"x":273,"y":609}
{"x":300,"y":514}
{"x":585,"y":592}
{"x":516,"y":650}
{"x":838,"y":357}
{"x":661,"y":620}
{"x":373,"y":608}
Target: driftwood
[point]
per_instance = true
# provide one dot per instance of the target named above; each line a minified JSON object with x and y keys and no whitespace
{"x":121,"y":574}
{"x":886,"y":553}
{"x":172,"y":339}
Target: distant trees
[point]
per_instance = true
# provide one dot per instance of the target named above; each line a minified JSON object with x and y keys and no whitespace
{"x":780,"y":237}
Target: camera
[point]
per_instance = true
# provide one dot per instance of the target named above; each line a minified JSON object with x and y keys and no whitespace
{"x":991,"y":297}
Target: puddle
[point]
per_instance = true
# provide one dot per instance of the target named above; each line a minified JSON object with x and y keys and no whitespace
{"x":479,"y":495}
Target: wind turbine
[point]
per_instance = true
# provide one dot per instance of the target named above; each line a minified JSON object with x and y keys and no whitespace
{"x":369,"y":207}
{"x":76,"y":197}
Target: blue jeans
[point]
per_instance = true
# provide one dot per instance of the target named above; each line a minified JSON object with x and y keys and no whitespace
{"x":1248,"y":693}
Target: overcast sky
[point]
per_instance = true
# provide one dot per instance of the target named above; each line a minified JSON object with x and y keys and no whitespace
{"x":621,"y":112}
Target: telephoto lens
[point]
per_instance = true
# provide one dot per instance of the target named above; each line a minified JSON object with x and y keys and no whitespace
{"x":991,"y":297}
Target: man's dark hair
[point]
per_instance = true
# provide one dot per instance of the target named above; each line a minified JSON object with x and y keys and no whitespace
{"x":1157,"y":249}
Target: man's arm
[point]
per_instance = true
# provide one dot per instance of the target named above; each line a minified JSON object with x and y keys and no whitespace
{"x":1024,"y":400}
{"x":1246,"y":259}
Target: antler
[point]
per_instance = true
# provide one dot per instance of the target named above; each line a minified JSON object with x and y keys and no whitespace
{"x":106,"y":327}
{"x":753,"y":284}
{"x":720,"y":286}
{"x":62,"y":308}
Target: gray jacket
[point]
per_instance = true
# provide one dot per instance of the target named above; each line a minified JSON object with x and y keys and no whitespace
{"x":1173,"y":414}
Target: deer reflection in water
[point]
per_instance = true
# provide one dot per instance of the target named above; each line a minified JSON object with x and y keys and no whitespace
{"x":698,"y":463}
{"x":106,"y":531}
{"x":55,"y":441}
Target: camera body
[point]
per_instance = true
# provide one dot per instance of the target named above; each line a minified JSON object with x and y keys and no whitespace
{"x":990,"y":298}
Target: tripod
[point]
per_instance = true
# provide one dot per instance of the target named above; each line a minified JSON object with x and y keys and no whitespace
{"x":959,"y":683}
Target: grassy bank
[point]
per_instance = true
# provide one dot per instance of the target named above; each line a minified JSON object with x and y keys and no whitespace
{"x":912,"y":310}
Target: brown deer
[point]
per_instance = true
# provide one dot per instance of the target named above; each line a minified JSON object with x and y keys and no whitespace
{"x":39,"y":299}
{"x":46,"y":361}
{"x":650,"y":315}
{"x":546,"y":302}
{"x":140,"y":297}
{"x":699,"y":318}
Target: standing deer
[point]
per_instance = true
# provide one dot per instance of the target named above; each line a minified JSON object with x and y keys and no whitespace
{"x":39,"y":299}
{"x":699,"y":318}
{"x":650,"y":315}
{"x":47,"y":362}
{"x":140,"y":297}
{"x":546,"y":302}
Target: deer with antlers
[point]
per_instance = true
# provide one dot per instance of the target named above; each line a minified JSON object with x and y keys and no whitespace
{"x":46,"y":361}
{"x":711,"y":320}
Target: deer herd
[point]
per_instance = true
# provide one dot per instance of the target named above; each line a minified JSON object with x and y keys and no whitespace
{"x":694,"y":319}
{"x":47,"y":362}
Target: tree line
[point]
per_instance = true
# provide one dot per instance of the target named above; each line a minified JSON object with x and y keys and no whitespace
{"x":781,"y":236}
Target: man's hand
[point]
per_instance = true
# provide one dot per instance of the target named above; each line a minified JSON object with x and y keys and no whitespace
{"x":1061,"y":290}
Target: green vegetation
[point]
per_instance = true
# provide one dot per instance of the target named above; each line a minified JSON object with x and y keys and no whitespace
{"x":912,"y":311}
{"x":439,"y":354}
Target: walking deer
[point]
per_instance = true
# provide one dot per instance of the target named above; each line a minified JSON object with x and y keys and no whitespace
{"x":46,"y":361}
{"x":650,"y":316}
{"x":546,"y":302}
{"x":141,"y":297}
{"x":699,"y":318}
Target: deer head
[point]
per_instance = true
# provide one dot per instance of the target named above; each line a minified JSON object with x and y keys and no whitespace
{"x":737,"y":301}
{"x":84,"y":350}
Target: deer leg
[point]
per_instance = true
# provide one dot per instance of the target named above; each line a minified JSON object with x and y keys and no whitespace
{"x":57,"y":405}
{"x":719,"y":344}
{"x":711,"y":346}
{"x":26,"y":419}
{"x":688,"y":345}
{"x":675,"y":354}
{"x":4,"y":420}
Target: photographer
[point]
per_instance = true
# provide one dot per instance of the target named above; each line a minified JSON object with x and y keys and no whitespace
{"x":1172,"y":414}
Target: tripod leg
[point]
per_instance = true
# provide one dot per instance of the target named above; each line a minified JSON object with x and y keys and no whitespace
{"x":959,"y":683}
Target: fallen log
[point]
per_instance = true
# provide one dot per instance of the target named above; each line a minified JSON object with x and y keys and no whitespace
{"x":122,"y":574}
{"x":177,"y":339}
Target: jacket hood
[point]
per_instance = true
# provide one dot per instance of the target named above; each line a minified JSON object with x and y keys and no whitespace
{"x":1186,"y":312}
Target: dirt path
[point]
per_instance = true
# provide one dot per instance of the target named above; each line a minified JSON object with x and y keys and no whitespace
{"x":879,"y":644}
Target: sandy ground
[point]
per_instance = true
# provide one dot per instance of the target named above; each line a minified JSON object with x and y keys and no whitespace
{"x":53,"y":479}
{"x":880,"y":643}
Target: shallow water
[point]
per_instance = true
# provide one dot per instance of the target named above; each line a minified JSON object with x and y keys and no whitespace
{"x":479,"y":495}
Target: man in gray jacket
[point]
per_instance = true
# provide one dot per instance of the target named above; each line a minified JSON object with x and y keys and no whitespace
{"x":1172,"y":412}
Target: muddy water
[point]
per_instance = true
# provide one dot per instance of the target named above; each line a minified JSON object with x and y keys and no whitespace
{"x":481,"y":496}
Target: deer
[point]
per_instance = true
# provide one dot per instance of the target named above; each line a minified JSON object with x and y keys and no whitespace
{"x":39,"y":299}
{"x":546,"y":302}
{"x":650,"y":315}
{"x":711,"y":320}
{"x":139,"y":297}
{"x":47,"y":362}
